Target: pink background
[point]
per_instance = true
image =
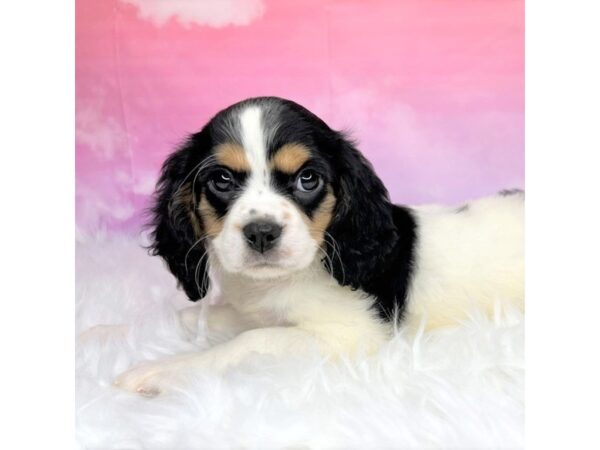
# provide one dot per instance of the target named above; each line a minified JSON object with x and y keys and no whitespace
{"x":431,"y":89}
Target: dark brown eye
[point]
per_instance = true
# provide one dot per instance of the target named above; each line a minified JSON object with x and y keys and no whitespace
{"x":308,"y":180}
{"x":222,"y":181}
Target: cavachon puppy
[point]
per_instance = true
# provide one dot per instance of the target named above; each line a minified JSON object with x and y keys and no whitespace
{"x":286,"y":226}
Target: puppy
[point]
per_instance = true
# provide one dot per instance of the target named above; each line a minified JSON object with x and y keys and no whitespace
{"x":285,"y":225}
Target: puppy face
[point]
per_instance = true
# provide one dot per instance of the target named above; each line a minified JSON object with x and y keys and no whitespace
{"x":266,"y":188}
{"x":263,"y":196}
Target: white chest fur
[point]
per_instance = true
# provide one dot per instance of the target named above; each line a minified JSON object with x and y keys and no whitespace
{"x":311,"y":300}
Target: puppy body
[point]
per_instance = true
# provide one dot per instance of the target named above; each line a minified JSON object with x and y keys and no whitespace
{"x":453,"y":275}
{"x":465,"y":258}
{"x":305,"y":250}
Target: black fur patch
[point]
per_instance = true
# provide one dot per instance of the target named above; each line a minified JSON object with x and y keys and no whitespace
{"x":374,"y":240}
{"x":508,"y":192}
{"x":173,"y":235}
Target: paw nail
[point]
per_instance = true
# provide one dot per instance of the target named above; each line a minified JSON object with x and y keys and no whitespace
{"x":148,"y":392}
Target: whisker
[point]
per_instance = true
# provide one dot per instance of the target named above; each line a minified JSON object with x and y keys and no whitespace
{"x":336,"y":248}
{"x":329,"y":262}
{"x":200,"y":166}
{"x":205,"y":274}
{"x":204,"y":255}
{"x":191,"y":248}
{"x":211,"y":160}
{"x":336,"y":252}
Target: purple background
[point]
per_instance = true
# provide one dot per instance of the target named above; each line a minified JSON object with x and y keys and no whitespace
{"x":431,"y":89}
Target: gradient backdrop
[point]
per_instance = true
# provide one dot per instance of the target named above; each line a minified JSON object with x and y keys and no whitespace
{"x":431,"y":89}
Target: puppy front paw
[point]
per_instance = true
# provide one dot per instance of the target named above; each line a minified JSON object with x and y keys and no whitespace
{"x":148,"y":379}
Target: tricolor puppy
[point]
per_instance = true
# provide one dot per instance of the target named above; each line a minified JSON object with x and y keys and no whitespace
{"x":285,"y":225}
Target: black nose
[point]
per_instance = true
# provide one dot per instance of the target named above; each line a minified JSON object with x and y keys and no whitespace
{"x":262,"y":235}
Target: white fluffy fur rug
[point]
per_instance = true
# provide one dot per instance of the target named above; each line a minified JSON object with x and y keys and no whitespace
{"x":453,"y":388}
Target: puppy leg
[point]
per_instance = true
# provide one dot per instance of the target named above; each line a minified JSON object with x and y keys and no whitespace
{"x":102,"y":333}
{"x":208,"y":325}
{"x":154,"y":377}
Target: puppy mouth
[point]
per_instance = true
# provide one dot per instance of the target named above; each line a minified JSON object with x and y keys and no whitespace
{"x":262,"y":262}
{"x":265,"y":267}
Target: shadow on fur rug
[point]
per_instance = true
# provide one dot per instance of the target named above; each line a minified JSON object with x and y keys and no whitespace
{"x":454,"y":388}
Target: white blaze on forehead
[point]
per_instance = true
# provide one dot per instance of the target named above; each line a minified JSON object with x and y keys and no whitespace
{"x":254,"y":143}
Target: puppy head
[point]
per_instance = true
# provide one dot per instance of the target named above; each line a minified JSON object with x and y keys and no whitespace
{"x":266,"y":187}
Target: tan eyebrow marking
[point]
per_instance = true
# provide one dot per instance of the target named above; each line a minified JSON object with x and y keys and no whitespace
{"x":289,"y":158}
{"x":233,"y":156}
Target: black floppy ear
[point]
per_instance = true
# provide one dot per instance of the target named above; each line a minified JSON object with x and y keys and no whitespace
{"x":363,"y":226}
{"x":176,"y":227}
